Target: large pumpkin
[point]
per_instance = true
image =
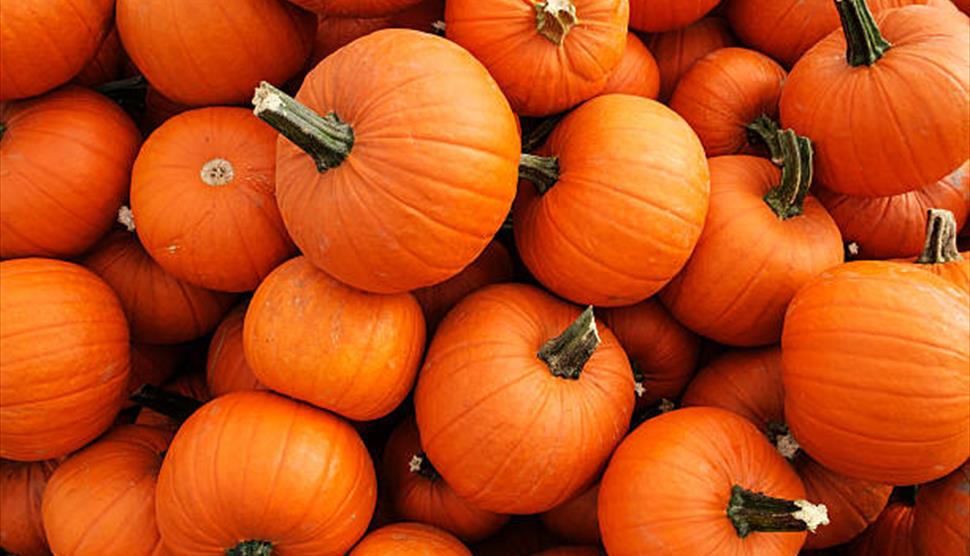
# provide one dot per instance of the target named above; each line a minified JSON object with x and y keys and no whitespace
{"x":677,"y":50}
{"x":613,"y":203}
{"x":654,"y":16}
{"x":21,"y":490}
{"x":410,"y":180}
{"x":576,"y":520}
{"x":64,"y":358}
{"x":636,"y":74}
{"x":940,"y":526}
{"x":940,"y":254}
{"x":521,"y":399}
{"x":255,"y":471}
{"x":409,"y":539}
{"x":226,"y":368}
{"x":65,"y":162}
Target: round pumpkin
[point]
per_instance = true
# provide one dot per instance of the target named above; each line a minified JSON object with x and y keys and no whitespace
{"x":890,"y":535}
{"x":65,"y":162}
{"x":654,"y":16}
{"x":619,"y":175}
{"x":101,"y":500}
{"x":226,"y":367}
{"x":521,"y":387}
{"x":876,"y":361}
{"x":355,"y":8}
{"x":576,"y":520}
{"x":410,"y":181}
{"x":21,"y":490}
{"x":677,"y":50}
{"x":214,"y":52}
{"x":108,"y":64}
{"x":906,"y":131}
{"x":940,"y":254}
{"x":334,"y":32}
{"x":152,"y":364}
{"x":636,"y":74}
{"x":940,"y":525}
{"x":546,"y":56}
{"x":409,"y":539}
{"x":64,"y":358}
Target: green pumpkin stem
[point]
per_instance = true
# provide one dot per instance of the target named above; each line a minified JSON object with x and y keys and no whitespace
{"x":796,"y":175}
{"x":941,"y":238}
{"x":754,"y":512}
{"x":3,"y":129}
{"x":542,"y":171}
{"x":567,"y":353}
{"x":554,"y":19}
{"x":865,"y":45}
{"x":167,"y":403}
{"x":327,"y":139}
{"x":765,"y":130}
{"x":421,"y":465}
{"x":251,"y":548}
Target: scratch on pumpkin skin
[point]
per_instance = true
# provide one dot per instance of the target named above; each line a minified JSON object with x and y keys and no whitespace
{"x":172,"y":249}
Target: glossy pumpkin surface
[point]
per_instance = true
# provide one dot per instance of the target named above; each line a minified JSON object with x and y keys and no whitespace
{"x":637,"y":73}
{"x":21,"y":490}
{"x":409,"y":539}
{"x":655,"y":16}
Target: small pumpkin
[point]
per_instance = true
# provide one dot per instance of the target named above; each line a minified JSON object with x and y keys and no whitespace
{"x":940,"y":526}
{"x":576,"y":520}
{"x":226,"y":367}
{"x":677,"y":50}
{"x":409,"y":539}
{"x":654,"y":16}
{"x":636,"y":74}
{"x":940,"y":254}
{"x":21,"y":490}
{"x":355,"y":8}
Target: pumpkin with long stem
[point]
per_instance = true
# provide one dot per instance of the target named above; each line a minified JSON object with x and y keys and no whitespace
{"x":226,"y":368}
{"x":655,"y":16}
{"x":409,"y":539}
{"x":636,"y":74}
{"x":940,"y":254}
{"x":21,"y":491}
{"x":676,"y":51}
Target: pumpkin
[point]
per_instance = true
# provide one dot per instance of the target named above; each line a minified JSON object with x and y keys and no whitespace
{"x":520,"y":386}
{"x":394,"y":199}
{"x":333,"y":32}
{"x":152,"y":364}
{"x":355,"y":8}
{"x":619,"y":175}
{"x":101,"y":500}
{"x":64,"y":358}
{"x":427,"y":16}
{"x":521,"y":536}
{"x":940,"y":254}
{"x":940,"y":526}
{"x":636,"y":74}
{"x":108,"y":64}
{"x":226,"y":367}
{"x":576,"y":520}
{"x":546,"y":56}
{"x":890,"y":535}
{"x":45,"y":43}
{"x":65,"y":160}
{"x":366,"y":351}
{"x":653,"y":17}
{"x":677,"y":50}
{"x":724,"y":93}
{"x":862,"y":79}
{"x":249,"y":455}
{"x":894,"y":226}
{"x":21,"y":488}
{"x":409,"y":539}
{"x":876,"y":361}
{"x":191,"y":385}
{"x":214,"y":52}
{"x":702,"y":480}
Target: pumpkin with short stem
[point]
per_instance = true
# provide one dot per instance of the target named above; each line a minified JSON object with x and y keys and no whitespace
{"x":152,"y":364}
{"x":724,"y":93}
{"x":355,"y":8}
{"x":890,"y":535}
{"x":189,"y":385}
{"x":905,"y":132}
{"x":940,"y":526}
{"x":656,"y":16}
{"x":101,"y":500}
{"x":613,"y":151}
{"x":702,"y":480}
{"x":409,"y":539}
{"x":247,"y":469}
{"x":940,"y":254}
{"x":226,"y":367}
{"x":852,"y":336}
{"x":108,"y":64}
{"x":21,"y":490}
{"x":520,"y":386}
{"x":64,"y":358}
{"x":576,"y":520}
{"x":66,"y":160}
{"x":393,"y":199}
{"x":677,"y":50}
{"x":636,"y":74}
{"x":546,"y":56}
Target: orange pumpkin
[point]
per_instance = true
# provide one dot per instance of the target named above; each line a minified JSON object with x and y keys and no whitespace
{"x":152,"y":364}
{"x":246,"y":456}
{"x":108,"y":64}
{"x":890,"y":535}
{"x":940,"y":526}
{"x":571,"y":551}
{"x":522,"y":536}
{"x":940,"y":254}
{"x":636,"y":74}
{"x":158,"y":110}
{"x":334,"y":32}
{"x":64,"y":358}
{"x":409,"y":539}
{"x":546,"y":56}
{"x":576,"y":520}
{"x":655,"y":16}
{"x":677,"y":50}
{"x":21,"y":489}
{"x":226,"y":367}
{"x":60,"y":209}
{"x":394,"y":199}
{"x":355,"y":8}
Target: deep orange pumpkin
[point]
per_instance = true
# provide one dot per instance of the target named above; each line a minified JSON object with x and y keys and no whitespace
{"x":876,"y":361}
{"x":617,"y":200}
{"x":905,"y":131}
{"x":653,"y":16}
{"x":274,"y":457}
{"x":158,"y":109}
{"x":21,"y":489}
{"x":65,"y":161}
{"x":64,"y":358}
{"x":677,"y":50}
{"x":637,"y":73}
{"x":334,"y":32}
{"x":517,"y":415}
{"x":940,"y":526}
{"x":940,"y":254}
{"x":108,"y":64}
{"x":226,"y":367}
{"x":890,"y":535}
{"x":410,"y":181}
{"x":546,"y":56}
{"x":409,"y":539}
{"x":355,"y":8}
{"x":101,"y":500}
{"x":576,"y":520}
{"x":152,"y":364}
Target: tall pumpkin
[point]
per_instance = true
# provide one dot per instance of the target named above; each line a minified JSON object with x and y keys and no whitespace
{"x":677,"y":50}
{"x":409,"y":180}
{"x":226,"y":368}
{"x":409,"y":539}
{"x":655,"y":16}
{"x":21,"y":490}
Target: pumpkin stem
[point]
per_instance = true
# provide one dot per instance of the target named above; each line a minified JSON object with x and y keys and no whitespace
{"x":421,"y":465}
{"x":126,"y":218}
{"x":865,"y":45}
{"x":851,"y":250}
{"x":167,"y":403}
{"x":941,"y":238}
{"x":535,"y":138}
{"x":754,"y":512}
{"x":251,"y":548}
{"x":638,"y":379}
{"x":542,"y":171}
{"x":554,"y":19}
{"x":782,"y":438}
{"x":567,"y":353}
{"x":765,"y":130}
{"x":327,"y":139}
{"x":796,"y":175}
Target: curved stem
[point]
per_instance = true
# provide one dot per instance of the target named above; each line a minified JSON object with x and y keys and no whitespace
{"x":754,"y":512}
{"x":567,"y":353}
{"x":421,"y":465}
{"x":865,"y":45}
{"x":941,"y":238}
{"x":251,"y":548}
{"x":167,"y":403}
{"x":327,"y":139}
{"x":554,"y":19}
{"x":543,"y":171}
{"x":796,"y":175}
{"x":765,"y":130}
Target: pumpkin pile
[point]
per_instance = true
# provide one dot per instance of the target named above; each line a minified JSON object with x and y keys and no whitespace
{"x":452,"y":277}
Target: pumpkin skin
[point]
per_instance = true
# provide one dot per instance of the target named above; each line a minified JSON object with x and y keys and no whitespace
{"x":355,"y":8}
{"x":64,"y":358}
{"x":195,"y":62}
{"x":618,"y":198}
{"x":842,"y":397}
{"x":46,"y":43}
{"x":636,"y":74}
{"x":226,"y":367}
{"x":454,"y":156}
{"x":652,"y":16}
{"x":108,"y":64}
{"x":368,"y":346}
{"x":483,"y":391}
{"x":273,"y":457}
{"x":101,"y":500}
{"x":538,"y":75}
{"x":940,"y":526}
{"x":21,"y":488}
{"x":334,"y":32}
{"x":650,"y":503}
{"x":522,"y":536}
{"x":940,"y":255}
{"x":890,"y":535}
{"x":152,"y":364}
{"x":158,"y":110}
{"x":921,"y":140}
{"x":191,"y":385}
{"x":409,"y":539}
{"x":576,"y":520}
{"x":677,"y":50}
{"x":60,"y":210}
{"x":724,"y":92}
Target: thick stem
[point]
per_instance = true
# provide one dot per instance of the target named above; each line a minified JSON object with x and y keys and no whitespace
{"x":865,"y":45}
{"x":421,"y":465}
{"x":754,"y":512}
{"x":327,"y":139}
{"x":251,"y":548}
{"x":765,"y":130}
{"x":167,"y":403}
{"x":796,"y":175}
{"x":554,"y":19}
{"x":941,"y":238}
{"x":136,"y":83}
{"x":567,"y":353}
{"x":542,"y":171}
